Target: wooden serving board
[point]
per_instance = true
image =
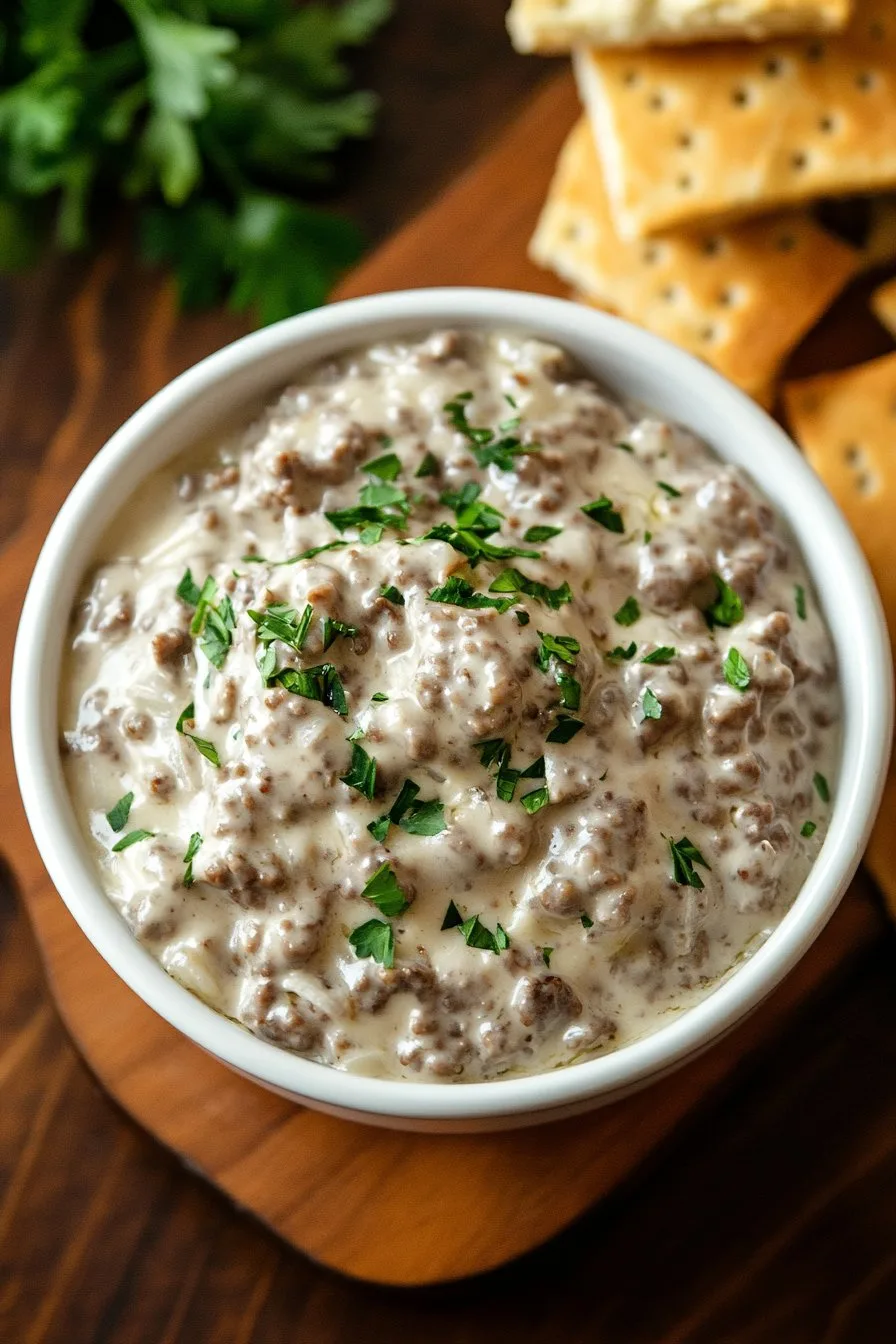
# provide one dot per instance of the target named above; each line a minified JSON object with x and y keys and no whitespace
{"x":389,"y":1207}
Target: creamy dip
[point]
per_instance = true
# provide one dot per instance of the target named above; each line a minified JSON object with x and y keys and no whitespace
{"x":534,"y":750}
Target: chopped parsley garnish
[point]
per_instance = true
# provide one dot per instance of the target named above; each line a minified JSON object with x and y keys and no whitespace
{"x":808,"y":828}
{"x":664,"y":654}
{"x":192,"y":850}
{"x":428,"y":467}
{"x":474,"y":546}
{"x":188,"y":590}
{"x":799,"y":594}
{"x":626,"y":447}
{"x":727,"y":609}
{"x":491,"y":751}
{"x":379,"y":506}
{"x":374,"y":939}
{"x":383,"y":891}
{"x":564,"y":647}
{"x":648,"y":537}
{"x":361,"y":774}
{"x":628,"y":613}
{"x":117,"y":816}
{"x":512,"y":581}
{"x":391,"y":594}
{"x":522,"y":616}
{"x":280,"y":621}
{"x":314,"y":683}
{"x":474,"y":932}
{"x":426,"y":817}
{"x":205,"y":748}
{"x":669,"y":489}
{"x":586,"y":921}
{"x":822,"y":788}
{"x":541,"y":533}
{"x":132,"y":838}
{"x":684,"y":856}
{"x":214,"y":625}
{"x":471,"y":512}
{"x":622,"y":653}
{"x":602,"y":511}
{"x":458,"y":593}
{"x":565,"y":729}
{"x":294,"y":559}
{"x":546,"y":954}
{"x":485,"y":444}
{"x":535,"y":770}
{"x":331,"y":630}
{"x":379,"y":697}
{"x":386,"y":467}
{"x":650,"y":706}
{"x":536,"y":800}
{"x":736,"y":670}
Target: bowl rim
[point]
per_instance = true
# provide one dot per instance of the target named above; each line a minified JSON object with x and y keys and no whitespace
{"x":846,"y":591}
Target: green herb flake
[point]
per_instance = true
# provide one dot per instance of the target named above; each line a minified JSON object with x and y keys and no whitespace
{"x":512,"y":581}
{"x":736,"y":670}
{"x":822,"y":788}
{"x":727,"y":609}
{"x":188,"y":590}
{"x":332,"y":630}
{"x":428,"y":467}
{"x":602,"y":511}
{"x":283,"y":623}
{"x":132,"y":838}
{"x":474,"y":932}
{"x":386,"y":468}
{"x":628,"y":613}
{"x":799,"y":595}
{"x":541,"y":533}
{"x":564,"y":647}
{"x":458,"y":592}
{"x":669,"y":489}
{"x":202,"y":745}
{"x":546,"y":954}
{"x":314,"y":683}
{"x":424,"y":818}
{"x":522,"y":616}
{"x":379,"y":698}
{"x":294,"y":559}
{"x":650,"y":706}
{"x":536,"y":800}
{"x":192,"y":850}
{"x":626,"y":447}
{"x":392,"y":594}
{"x":383,"y":891}
{"x":379,"y":829}
{"x":453,"y":917}
{"x":808,"y":829}
{"x":117,"y":816}
{"x":488,"y":447}
{"x":565,"y":729}
{"x":664,"y":654}
{"x":374,"y":939}
{"x":535,"y":770}
{"x":622,"y":653}
{"x":361,"y":774}
{"x":684,"y":856}
{"x":586,"y":921}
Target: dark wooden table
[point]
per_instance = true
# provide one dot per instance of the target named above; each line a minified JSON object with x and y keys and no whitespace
{"x":772,"y":1217}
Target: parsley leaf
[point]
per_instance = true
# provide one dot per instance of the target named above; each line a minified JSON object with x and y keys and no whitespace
{"x":565,"y":729}
{"x":386,"y":467}
{"x":428,"y":467}
{"x":383,"y":891}
{"x":684,"y":856}
{"x":586,"y":921}
{"x":650,"y":706}
{"x":293,"y":559}
{"x":541,"y":533}
{"x":736,"y":670}
{"x":361,"y":774}
{"x":192,"y":850}
{"x":628,"y":613}
{"x":331,"y":630}
{"x":458,"y":593}
{"x":314,"y":683}
{"x":512,"y":581}
{"x":204,"y":747}
{"x":622,"y":653}
{"x":564,"y":647}
{"x":374,"y":939}
{"x":474,"y":932}
{"x":392,"y":594}
{"x":486,"y":447}
{"x":546,"y":954}
{"x":602,"y":511}
{"x":283,"y":623}
{"x":727,"y":609}
{"x":117,"y":816}
{"x":132,"y":838}
{"x":188,"y":590}
{"x":664,"y":654}
{"x":536,"y":800}
{"x":808,"y":829}
{"x":799,"y":594}
{"x":453,"y":917}
{"x":669,"y":489}
{"x":822,"y":788}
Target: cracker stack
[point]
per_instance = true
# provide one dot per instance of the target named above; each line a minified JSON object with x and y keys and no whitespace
{"x":687,"y":199}
{"x":696,"y":197}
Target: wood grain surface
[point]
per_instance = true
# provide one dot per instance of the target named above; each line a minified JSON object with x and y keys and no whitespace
{"x":101,"y":1235}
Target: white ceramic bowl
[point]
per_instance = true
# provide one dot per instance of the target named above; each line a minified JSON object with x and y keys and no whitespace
{"x":631,"y":363}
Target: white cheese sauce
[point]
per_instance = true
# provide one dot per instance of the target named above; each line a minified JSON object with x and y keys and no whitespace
{"x":674,"y":834}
